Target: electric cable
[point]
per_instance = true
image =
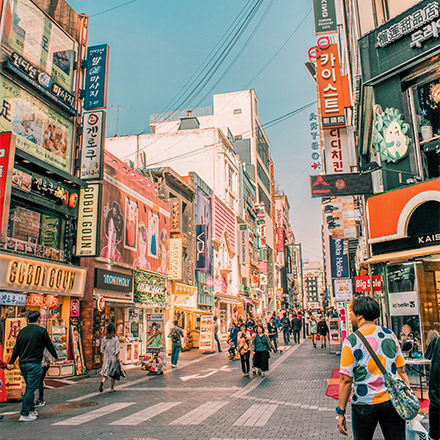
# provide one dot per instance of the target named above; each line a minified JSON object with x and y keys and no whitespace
{"x":112,"y":9}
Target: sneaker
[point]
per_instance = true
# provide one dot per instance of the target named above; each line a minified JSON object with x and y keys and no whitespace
{"x":246,"y":375}
{"x":33,"y":413}
{"x":263,"y":374}
{"x":173,"y":366}
{"x":101,"y":387}
{"x":29,"y":418}
{"x":40,"y":402}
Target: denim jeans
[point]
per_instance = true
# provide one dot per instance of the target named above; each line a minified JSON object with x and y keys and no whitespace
{"x":175,"y":350}
{"x":31,"y":374}
{"x":366,"y":417}
{"x":286,"y":335}
{"x":245,"y":362}
{"x":218,"y":342}
{"x":297,"y":336}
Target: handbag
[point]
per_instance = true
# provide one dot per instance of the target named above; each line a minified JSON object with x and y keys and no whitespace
{"x":402,"y":397}
{"x":115,"y":370}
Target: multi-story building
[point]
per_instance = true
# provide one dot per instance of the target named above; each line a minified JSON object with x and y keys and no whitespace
{"x":42,"y":54}
{"x":313,"y":284}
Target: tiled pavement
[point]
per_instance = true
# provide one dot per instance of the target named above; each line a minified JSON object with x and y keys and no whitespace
{"x":205,"y":399}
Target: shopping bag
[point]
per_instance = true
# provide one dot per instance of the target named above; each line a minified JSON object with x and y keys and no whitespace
{"x":415,"y":430}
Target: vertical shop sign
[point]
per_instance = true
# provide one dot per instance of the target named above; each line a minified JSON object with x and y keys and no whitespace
{"x":325,"y":17}
{"x":176,"y":258}
{"x":92,"y":148}
{"x":314,"y":127}
{"x":336,"y":151}
{"x":176,"y":215}
{"x":201,"y":247}
{"x":244,"y":245}
{"x":88,"y":220}
{"x":339,"y":258}
{"x":333,"y":87}
{"x":206,"y":342}
{"x":344,"y":216}
{"x":7,"y":154}
{"x":96,"y":77}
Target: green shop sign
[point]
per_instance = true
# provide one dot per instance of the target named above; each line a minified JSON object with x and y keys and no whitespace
{"x":150,"y":289}
{"x":407,"y":39}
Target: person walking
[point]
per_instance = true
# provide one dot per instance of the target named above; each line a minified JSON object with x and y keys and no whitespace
{"x":110,"y":348}
{"x":323,"y":331}
{"x":29,"y":346}
{"x":306,"y":323}
{"x":261,"y":346}
{"x":176,"y":335}
{"x":250,"y":324}
{"x":244,"y":348}
{"x":272,"y":331}
{"x":45,"y":362}
{"x":285,"y":324}
{"x":296,"y":328}
{"x":216,"y":331}
{"x":362,"y":377}
{"x":313,"y":329}
{"x":233,"y":334}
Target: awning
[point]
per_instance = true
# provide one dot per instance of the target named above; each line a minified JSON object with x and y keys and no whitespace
{"x":404,"y":255}
{"x":191,"y":310}
{"x":224,"y":297}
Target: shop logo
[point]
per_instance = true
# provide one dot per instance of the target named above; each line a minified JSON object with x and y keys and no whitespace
{"x":389,"y":134}
{"x":45,"y":80}
{"x":92,"y":118}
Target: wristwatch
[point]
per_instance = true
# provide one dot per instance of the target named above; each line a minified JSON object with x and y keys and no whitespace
{"x":340,"y":411}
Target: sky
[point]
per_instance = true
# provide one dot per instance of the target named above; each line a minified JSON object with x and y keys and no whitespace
{"x":155,"y":47}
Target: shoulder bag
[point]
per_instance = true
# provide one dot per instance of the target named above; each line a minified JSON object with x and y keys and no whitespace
{"x":402,"y":397}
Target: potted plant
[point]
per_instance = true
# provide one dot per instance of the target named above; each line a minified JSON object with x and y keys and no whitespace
{"x":426,"y":129}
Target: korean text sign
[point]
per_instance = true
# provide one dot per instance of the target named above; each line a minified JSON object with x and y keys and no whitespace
{"x":333,"y":87}
{"x":96,"y":77}
{"x":339,"y":259}
{"x":93,"y":145}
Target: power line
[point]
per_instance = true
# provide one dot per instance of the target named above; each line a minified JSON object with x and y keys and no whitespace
{"x":280,"y":49}
{"x":112,"y":9}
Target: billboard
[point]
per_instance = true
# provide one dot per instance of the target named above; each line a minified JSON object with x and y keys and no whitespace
{"x":135,"y":224}
{"x":325,"y":17}
{"x":204,"y":217}
{"x":35,"y":37}
{"x":7,"y":154}
{"x":343,"y":289}
{"x":338,"y":258}
{"x":41,"y":131}
{"x":335,"y":185}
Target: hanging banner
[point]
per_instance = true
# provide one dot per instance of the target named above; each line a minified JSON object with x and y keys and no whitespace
{"x":333,"y":87}
{"x":362,"y":283}
{"x":7,"y":154}
{"x":88,"y":221}
{"x":244,"y":244}
{"x":201,"y":247}
{"x":334,"y":185}
{"x":338,"y":258}
{"x":92,"y":145}
{"x":325,"y":17}
{"x":96,"y":83}
{"x":336,"y":151}
{"x":176,"y":258}
{"x":206,"y":341}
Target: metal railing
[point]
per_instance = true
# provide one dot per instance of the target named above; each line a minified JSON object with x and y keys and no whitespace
{"x":175,"y":115}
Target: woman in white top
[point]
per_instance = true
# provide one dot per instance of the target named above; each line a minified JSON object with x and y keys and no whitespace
{"x":110,"y":347}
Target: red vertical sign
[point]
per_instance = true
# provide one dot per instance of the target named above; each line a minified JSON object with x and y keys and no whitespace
{"x":7,"y":153}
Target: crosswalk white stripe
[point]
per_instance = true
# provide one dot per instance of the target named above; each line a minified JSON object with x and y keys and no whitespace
{"x":256,"y":415}
{"x":201,"y":413}
{"x":146,"y":414}
{"x":91,"y":415}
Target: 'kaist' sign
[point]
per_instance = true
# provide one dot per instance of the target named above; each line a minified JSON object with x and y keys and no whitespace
{"x":333,"y":87}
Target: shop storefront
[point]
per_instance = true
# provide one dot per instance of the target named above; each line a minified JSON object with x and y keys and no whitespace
{"x":227,"y":307}
{"x":54,"y":289}
{"x":404,"y":229}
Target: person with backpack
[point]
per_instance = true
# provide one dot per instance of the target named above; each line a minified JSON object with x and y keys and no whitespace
{"x":323,"y":331}
{"x":176,"y":335}
{"x":362,"y":377}
{"x":285,"y":323}
{"x":296,"y":328}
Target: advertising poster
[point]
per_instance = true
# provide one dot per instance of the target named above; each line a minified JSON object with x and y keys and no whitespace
{"x":30,"y":33}
{"x":204,"y":217}
{"x":335,"y":331}
{"x":40,"y":130}
{"x":154,"y":332}
{"x":13,"y":380}
{"x":7,"y":154}
{"x":343,"y":289}
{"x":135,"y":224}
{"x":206,"y":341}
{"x":78,"y":354}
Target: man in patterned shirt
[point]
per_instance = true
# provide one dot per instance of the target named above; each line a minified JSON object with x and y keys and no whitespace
{"x":361,"y":377}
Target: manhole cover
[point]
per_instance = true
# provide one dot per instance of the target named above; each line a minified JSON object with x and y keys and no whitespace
{"x":41,"y":415}
{"x":74,"y":405}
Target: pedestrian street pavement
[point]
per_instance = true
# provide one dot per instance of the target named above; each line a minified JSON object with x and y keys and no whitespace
{"x":207,"y":399}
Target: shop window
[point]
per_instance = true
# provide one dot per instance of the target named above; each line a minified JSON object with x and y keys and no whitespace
{"x":34,"y":233}
{"x":427,"y":106}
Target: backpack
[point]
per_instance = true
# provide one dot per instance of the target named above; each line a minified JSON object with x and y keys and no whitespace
{"x":175,"y":337}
